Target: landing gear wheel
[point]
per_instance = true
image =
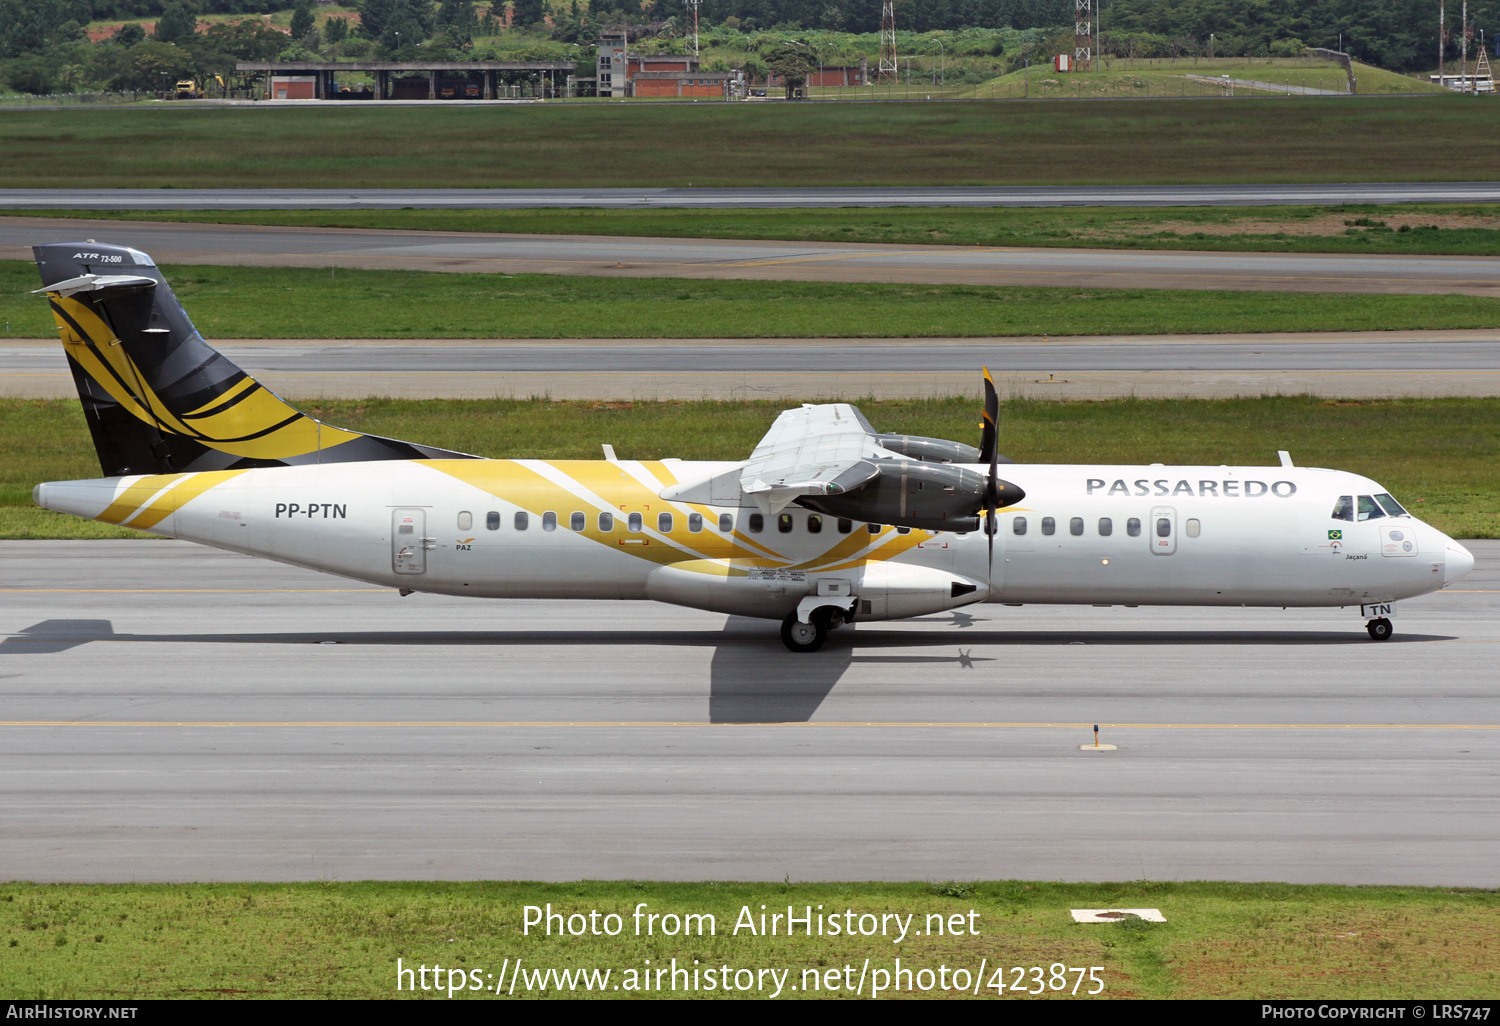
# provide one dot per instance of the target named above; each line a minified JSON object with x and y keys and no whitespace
{"x":1380,"y":629}
{"x":803,"y":637}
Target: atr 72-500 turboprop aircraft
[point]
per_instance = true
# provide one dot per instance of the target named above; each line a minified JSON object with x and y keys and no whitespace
{"x":828,"y":522}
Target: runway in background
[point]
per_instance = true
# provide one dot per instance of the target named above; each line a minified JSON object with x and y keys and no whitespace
{"x":624,"y":256}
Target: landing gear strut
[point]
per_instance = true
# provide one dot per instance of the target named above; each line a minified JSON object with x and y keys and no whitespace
{"x":1380,"y":629}
{"x":804,"y":637}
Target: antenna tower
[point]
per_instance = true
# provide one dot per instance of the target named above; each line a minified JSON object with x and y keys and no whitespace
{"x":1442,"y":38}
{"x":1482,"y":71}
{"x":1083,"y":35}
{"x":693,"y":6}
{"x":1463,"y":35}
{"x":888,"y":67}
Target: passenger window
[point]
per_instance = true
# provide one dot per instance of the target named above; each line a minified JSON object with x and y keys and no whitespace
{"x":757,"y":523}
{"x":1075,"y":526}
{"x":1368,"y":510}
{"x":784,"y":523}
{"x":726,"y":522}
{"x":549,"y":521}
{"x":1017,"y":526}
{"x":845,"y":525}
{"x":522,"y":520}
{"x":695,"y":522}
{"x":492,"y":521}
{"x":1193,"y":528}
{"x":1049,"y":526}
{"x":1133,"y":527}
{"x":903,"y":530}
{"x":664,"y":523}
{"x":578,"y":521}
{"x":873,"y":528}
{"x":406,"y":529}
{"x":1344,"y":508}
{"x":465,"y":520}
{"x":1164,"y":528}
{"x":1390,"y":505}
{"x":1106,"y":527}
{"x":633,"y":522}
{"x":814,"y":524}
{"x":606,"y":522}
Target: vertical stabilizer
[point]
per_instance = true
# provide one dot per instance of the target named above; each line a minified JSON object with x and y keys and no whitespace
{"x":159,"y":399}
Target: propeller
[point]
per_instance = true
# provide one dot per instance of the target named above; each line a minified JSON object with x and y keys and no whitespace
{"x":989,"y":452}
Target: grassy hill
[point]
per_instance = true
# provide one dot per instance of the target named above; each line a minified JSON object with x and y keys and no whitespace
{"x":1184,"y":77}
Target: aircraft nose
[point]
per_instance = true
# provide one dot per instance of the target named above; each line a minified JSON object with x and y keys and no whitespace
{"x":1457,"y":561}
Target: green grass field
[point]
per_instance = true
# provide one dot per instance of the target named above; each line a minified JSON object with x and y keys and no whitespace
{"x":1436,"y":229}
{"x":1436,"y":455}
{"x":259,"y":302}
{"x":1314,"y":139}
{"x":1220,"y":940}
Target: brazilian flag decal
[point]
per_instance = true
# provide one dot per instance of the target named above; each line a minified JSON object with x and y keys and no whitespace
{"x":1335,"y":535}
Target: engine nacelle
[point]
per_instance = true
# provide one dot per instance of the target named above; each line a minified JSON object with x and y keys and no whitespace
{"x":930,"y":496}
{"x":933,"y":450}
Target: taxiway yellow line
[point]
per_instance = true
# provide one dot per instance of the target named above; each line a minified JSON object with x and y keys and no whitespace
{"x":607,"y":724}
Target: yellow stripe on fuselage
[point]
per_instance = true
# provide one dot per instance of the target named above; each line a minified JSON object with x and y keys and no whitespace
{"x":523,"y":487}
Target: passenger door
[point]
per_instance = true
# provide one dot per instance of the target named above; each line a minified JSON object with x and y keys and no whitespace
{"x":409,"y":541}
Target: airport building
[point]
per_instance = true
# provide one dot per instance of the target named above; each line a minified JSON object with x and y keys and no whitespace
{"x":412,"y":80}
{"x":622,"y":73}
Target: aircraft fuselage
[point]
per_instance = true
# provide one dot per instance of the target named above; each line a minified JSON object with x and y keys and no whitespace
{"x":1135,"y":535}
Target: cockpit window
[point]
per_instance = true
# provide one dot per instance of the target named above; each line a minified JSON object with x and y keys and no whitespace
{"x":1344,"y":508}
{"x":1368,"y":510}
{"x":1390,"y":505}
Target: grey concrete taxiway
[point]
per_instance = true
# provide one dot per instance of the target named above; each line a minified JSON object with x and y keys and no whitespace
{"x":619,"y":256}
{"x":1335,"y":364}
{"x":174,"y":713}
{"x":768,"y":197}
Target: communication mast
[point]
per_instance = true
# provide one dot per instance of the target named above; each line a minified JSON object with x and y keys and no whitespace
{"x":693,"y":6}
{"x":1442,"y":37}
{"x":1083,"y":35}
{"x":888,"y":67}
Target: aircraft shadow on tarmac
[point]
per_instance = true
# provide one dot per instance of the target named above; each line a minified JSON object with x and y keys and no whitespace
{"x":752,"y":678}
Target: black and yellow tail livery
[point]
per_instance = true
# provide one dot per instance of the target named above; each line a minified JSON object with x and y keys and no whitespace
{"x":159,"y":399}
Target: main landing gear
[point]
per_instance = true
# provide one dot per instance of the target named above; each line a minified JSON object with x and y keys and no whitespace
{"x":809,"y":637}
{"x":1380,"y":629}
{"x":803,"y":637}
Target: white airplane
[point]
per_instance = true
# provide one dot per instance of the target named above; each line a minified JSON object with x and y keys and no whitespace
{"x":828,"y":522}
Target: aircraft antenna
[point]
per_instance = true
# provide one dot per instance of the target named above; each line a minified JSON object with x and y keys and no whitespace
{"x":888,"y":67}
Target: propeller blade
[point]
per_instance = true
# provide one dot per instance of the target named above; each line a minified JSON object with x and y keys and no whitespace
{"x":989,"y":451}
{"x":989,"y":436}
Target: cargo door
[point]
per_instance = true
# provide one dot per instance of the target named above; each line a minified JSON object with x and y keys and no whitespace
{"x":409,"y":541}
{"x":937,"y":548}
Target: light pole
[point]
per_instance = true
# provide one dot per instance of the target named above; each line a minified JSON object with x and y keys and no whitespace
{"x":942,"y":62}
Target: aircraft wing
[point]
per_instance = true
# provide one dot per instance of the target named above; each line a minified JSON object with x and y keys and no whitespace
{"x":826,"y":449}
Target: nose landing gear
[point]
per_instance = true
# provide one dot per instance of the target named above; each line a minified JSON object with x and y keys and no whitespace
{"x":1380,"y":629}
